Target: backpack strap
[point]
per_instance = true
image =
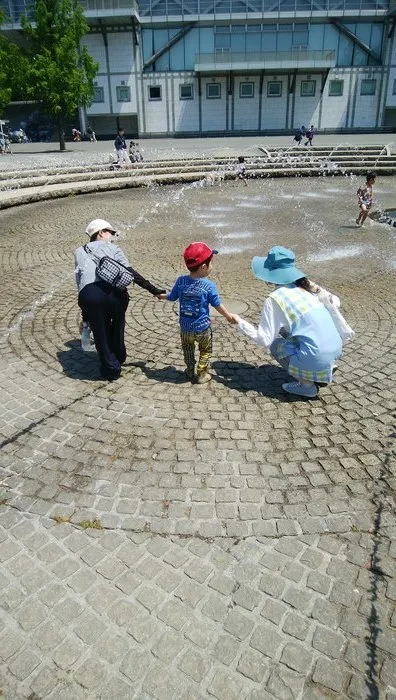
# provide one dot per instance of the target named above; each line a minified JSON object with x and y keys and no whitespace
{"x":92,"y":255}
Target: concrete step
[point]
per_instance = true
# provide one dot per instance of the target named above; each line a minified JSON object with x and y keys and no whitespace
{"x":34,"y":194}
{"x":173,"y":169}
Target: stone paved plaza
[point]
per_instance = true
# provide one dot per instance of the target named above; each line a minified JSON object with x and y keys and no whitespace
{"x":177,"y":542}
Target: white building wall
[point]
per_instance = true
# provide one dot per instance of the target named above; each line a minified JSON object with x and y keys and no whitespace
{"x":214,"y":110}
{"x":390,"y":100}
{"x":173,"y":115}
{"x":101,"y":107}
{"x":335,"y":109}
{"x":246,"y":109}
{"x":306,"y":109}
{"x":273,"y":112}
{"x":185,"y":113}
{"x":391,"y":94}
{"x":156,"y":112}
{"x":121,"y":54}
{"x":96,"y":48}
{"x":366,"y":106}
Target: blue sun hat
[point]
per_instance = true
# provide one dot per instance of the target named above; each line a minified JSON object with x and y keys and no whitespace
{"x":279,"y":267}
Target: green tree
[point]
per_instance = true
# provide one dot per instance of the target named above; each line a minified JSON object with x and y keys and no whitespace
{"x":61,"y":71}
{"x":12,"y":70}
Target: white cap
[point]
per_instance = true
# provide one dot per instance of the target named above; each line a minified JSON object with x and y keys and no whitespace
{"x":98,"y":225}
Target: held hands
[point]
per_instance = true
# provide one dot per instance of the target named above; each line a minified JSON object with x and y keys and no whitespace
{"x":162,"y":296}
{"x":233,"y":318}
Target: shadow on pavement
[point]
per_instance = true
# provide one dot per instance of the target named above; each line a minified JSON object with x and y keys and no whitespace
{"x":266,"y":379}
{"x":169,"y":375}
{"x":77,"y":364}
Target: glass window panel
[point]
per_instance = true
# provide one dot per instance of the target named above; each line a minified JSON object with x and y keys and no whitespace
{"x":123,"y":93}
{"x":154,"y":92}
{"x":274,"y":88}
{"x":308,"y":88}
{"x":186,"y":92}
{"x":98,"y":95}
{"x":222,"y":41}
{"x":336,"y":88}
{"x":213,"y":91}
{"x":246,"y":89}
{"x":367,"y":87}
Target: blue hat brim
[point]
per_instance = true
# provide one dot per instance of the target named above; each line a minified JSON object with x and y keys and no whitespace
{"x":286,"y":275}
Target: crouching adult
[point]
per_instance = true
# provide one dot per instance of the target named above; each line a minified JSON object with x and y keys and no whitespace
{"x":300,"y":323}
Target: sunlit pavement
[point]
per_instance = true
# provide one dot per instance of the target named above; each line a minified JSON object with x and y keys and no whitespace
{"x":169,"y":541}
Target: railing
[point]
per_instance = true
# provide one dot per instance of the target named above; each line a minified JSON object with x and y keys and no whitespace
{"x":100,"y":5}
{"x":274,"y":58}
{"x":246,"y":7}
{"x":14,"y":9}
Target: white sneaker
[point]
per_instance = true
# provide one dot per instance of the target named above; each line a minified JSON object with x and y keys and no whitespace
{"x":307,"y":390}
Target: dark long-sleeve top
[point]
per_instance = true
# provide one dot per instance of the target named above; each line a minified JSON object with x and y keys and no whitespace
{"x":85,"y":265}
{"x":119,"y":142}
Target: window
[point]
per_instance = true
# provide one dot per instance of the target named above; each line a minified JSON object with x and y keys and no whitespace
{"x":394,"y":88}
{"x":308,"y":88}
{"x":274,"y":88}
{"x":155,"y":92}
{"x":336,"y":88}
{"x":213,"y":91}
{"x":246,"y":89}
{"x":186,"y":92}
{"x":98,"y":95}
{"x":222,"y":41}
{"x":123,"y":93}
{"x":368,"y":87}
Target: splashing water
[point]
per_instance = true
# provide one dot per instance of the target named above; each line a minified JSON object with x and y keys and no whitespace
{"x":337,"y":253}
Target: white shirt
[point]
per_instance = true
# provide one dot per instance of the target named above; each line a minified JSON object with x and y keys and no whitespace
{"x":273,"y":319}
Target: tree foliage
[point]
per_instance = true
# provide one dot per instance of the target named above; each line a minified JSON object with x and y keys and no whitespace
{"x":12,"y":70}
{"x":61,"y":71}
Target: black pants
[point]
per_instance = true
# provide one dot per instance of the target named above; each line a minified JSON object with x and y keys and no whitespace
{"x":104,"y":308}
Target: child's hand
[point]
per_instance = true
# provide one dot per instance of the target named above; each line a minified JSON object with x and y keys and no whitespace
{"x":161,"y":297}
{"x":235,"y":318}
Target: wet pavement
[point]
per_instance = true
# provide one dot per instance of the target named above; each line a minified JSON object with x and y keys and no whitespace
{"x":169,"y":541}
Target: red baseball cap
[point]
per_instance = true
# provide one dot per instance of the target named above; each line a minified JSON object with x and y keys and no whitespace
{"x":196,"y":253}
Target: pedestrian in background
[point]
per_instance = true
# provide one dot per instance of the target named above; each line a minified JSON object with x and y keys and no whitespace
{"x":121,"y":149}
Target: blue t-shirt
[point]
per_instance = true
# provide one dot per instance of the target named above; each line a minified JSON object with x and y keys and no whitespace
{"x":194,"y":296}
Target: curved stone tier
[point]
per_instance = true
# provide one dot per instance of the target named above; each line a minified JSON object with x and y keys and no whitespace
{"x":25,"y":186}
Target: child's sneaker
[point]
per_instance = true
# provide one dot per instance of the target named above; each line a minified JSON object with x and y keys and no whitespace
{"x":203,"y":378}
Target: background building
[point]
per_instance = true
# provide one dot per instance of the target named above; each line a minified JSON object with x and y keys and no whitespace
{"x":197,"y":67}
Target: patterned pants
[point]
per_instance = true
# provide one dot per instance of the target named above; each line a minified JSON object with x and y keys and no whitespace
{"x":204,"y":341}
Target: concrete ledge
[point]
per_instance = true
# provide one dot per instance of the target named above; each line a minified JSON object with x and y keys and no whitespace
{"x":30,"y":195}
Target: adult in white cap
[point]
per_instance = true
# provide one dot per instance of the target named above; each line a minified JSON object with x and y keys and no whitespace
{"x":103,"y":306}
{"x":297,"y":323}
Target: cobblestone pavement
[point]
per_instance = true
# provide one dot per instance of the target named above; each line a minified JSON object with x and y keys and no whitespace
{"x":177,"y":542}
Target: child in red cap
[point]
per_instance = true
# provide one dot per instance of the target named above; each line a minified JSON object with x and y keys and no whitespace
{"x":195,"y":292}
